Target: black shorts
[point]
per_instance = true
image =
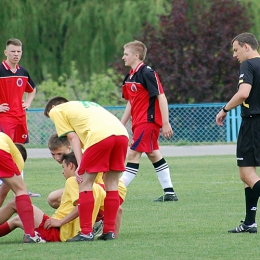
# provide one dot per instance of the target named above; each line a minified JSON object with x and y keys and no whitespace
{"x":248,"y":142}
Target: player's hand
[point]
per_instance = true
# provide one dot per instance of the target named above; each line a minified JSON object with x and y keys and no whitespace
{"x":220,"y":117}
{"x":78,"y":177}
{"x":167,"y":130}
{"x":4,"y":107}
{"x":51,"y":222}
{"x":25,"y":105}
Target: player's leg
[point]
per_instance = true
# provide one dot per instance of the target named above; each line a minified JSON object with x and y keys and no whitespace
{"x":163,"y":172}
{"x":132,"y":167}
{"x":4,"y":189}
{"x":248,"y":157}
{"x":54,"y":198}
{"x":111,"y":179}
{"x":24,"y":207}
{"x":20,"y":135}
{"x":111,"y":204}
{"x":85,"y":208}
{"x":118,"y":221}
{"x":9,"y":224}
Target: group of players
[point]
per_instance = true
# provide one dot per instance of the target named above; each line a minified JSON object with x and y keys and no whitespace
{"x":90,"y":201}
{"x":89,"y":205}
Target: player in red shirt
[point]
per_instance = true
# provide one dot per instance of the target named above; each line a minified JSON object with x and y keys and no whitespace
{"x":14,"y":82}
{"x":148,"y":108}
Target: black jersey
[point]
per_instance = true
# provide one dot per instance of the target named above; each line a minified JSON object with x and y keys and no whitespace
{"x":250,"y":73}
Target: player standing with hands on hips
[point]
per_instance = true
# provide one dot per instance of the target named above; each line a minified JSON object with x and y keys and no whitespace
{"x":14,"y":82}
{"x":245,"y":49}
{"x":148,"y":107}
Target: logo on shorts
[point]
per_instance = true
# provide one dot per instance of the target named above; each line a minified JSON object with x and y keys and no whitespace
{"x":240,"y":159}
{"x":134,"y":88}
{"x":24,"y":136}
{"x":19,"y":82}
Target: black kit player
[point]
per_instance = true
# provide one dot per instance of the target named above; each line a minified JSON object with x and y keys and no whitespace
{"x":245,"y":49}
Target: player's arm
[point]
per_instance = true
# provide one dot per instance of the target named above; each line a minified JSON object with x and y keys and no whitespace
{"x":241,"y":95}
{"x":76,"y":145}
{"x":29,"y":98}
{"x":166,"y":127}
{"x":51,"y":222}
{"x":127,"y":114}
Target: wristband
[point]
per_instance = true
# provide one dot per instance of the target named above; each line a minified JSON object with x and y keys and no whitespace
{"x":224,"y":109}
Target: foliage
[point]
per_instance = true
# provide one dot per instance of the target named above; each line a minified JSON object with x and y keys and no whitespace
{"x":101,"y":88}
{"x":254,"y":9}
{"x":90,"y":32}
{"x":191,"y":50}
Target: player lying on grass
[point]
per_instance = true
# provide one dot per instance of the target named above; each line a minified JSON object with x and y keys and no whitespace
{"x":61,"y":145}
{"x":64,"y":223}
{"x":12,"y":161}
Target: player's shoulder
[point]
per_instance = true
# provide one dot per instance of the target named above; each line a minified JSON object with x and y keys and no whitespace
{"x":71,"y":181}
{"x":147,"y":69}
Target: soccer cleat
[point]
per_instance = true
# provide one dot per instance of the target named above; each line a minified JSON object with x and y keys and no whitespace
{"x":81,"y":237}
{"x":167,"y":197}
{"x":107,"y":236}
{"x":33,"y":195}
{"x":98,"y":228}
{"x":242,"y":228}
{"x":35,"y":239}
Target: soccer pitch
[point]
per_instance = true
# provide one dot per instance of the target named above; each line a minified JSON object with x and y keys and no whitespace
{"x":211,"y":201}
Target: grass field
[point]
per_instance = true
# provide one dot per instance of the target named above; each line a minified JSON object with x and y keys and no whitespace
{"x":211,"y":201}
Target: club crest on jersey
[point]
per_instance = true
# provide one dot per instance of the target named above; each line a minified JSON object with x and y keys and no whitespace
{"x":19,"y":82}
{"x":134,"y":88}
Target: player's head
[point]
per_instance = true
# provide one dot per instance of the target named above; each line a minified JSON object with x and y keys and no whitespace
{"x":136,"y":47}
{"x":246,"y":38}
{"x":22,"y":150}
{"x":13,"y":51}
{"x":69,"y":165}
{"x":245,"y":46}
{"x":53,"y":102}
{"x":58,"y":146}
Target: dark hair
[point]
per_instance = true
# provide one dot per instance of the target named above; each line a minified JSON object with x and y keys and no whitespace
{"x":248,"y":38}
{"x":22,"y":150}
{"x":53,"y":102}
{"x":69,"y":158}
{"x":56,"y":142}
{"x":13,"y":41}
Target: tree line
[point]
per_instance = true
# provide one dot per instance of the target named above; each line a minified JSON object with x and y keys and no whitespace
{"x":74,"y":47}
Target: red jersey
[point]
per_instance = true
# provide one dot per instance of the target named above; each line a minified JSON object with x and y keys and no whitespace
{"x":141,"y":87}
{"x":12,"y":88}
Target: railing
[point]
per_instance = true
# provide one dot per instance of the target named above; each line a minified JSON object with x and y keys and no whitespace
{"x":191,"y":123}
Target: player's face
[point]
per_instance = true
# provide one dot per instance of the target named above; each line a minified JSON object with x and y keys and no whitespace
{"x":130,"y":59}
{"x":68,"y":170}
{"x":57,"y":154}
{"x":239,"y":51}
{"x":13,"y":54}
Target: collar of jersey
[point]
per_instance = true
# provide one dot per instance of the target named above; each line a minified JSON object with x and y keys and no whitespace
{"x":7,"y":67}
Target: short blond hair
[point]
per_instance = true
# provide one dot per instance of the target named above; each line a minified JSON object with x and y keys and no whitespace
{"x":137,"y":47}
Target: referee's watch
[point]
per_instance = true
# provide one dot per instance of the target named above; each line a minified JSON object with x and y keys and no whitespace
{"x":224,"y":109}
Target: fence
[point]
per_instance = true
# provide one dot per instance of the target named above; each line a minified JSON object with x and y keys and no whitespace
{"x":192,"y":123}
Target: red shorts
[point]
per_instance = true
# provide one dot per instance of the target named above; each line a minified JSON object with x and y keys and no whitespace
{"x":8,"y":168}
{"x":108,"y":154}
{"x":17,"y":132}
{"x":49,"y":235}
{"x":145,"y":138}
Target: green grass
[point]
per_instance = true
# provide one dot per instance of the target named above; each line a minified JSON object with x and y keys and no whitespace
{"x":211,"y":200}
